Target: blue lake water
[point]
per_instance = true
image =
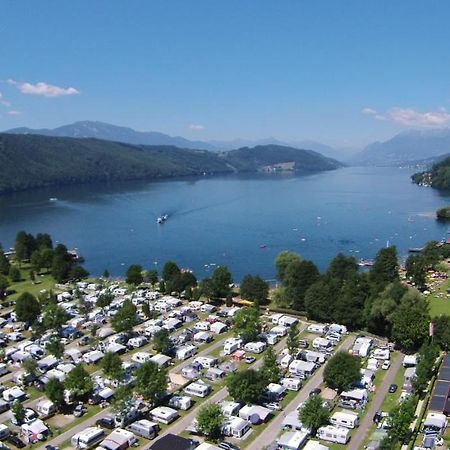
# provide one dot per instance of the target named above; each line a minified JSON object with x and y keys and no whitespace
{"x":226,"y":220}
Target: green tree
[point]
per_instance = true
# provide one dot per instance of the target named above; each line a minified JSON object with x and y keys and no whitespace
{"x":60,"y":268}
{"x":269,"y":370}
{"x":24,"y":245}
{"x":319,"y":300}
{"x":54,"y":316}
{"x":125,"y":318}
{"x":209,"y":420}
{"x":342,"y":371}
{"x":112,"y":366}
{"x":246,"y":386}
{"x":134,"y":275}
{"x":79,"y":381}
{"x":4,"y":263}
{"x":254,"y":288}
{"x":410,"y":322}
{"x":427,"y":356}
{"x":123,"y":399}
{"x":162,"y":342}
{"x":18,"y":412}
{"x":247,"y":324}
{"x":416,"y":270}
{"x":4,"y":284}
{"x":221,"y":280}
{"x":442,"y":332}
{"x":30,"y":366}
{"x":293,"y":339}
{"x":104,"y":300}
{"x":313,"y":414}
{"x":27,"y":308}
{"x":36,"y":260}
{"x":385,"y":268}
{"x":400,"y":418}
{"x":298,"y":277}
{"x":14,"y":274}
{"x":282,"y":261}
{"x":55,"y":347}
{"x":44,"y":241}
{"x":151,"y":381}
{"x":170,"y":271}
{"x":105,"y":274}
{"x":78,"y":273}
{"x":54,"y":390}
{"x":152,"y":276}
{"x":342,"y":268}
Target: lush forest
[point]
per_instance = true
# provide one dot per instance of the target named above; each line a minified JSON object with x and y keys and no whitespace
{"x":31,"y":161}
{"x":438,"y":177}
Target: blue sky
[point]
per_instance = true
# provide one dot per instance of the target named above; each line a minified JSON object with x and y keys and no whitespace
{"x":344,"y":72}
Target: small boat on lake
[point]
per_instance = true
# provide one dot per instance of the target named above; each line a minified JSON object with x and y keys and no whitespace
{"x":365,"y":263}
{"x":162,"y":219}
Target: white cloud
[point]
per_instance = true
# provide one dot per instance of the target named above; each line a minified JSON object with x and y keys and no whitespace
{"x":44,"y":89}
{"x":196,"y":126}
{"x":411,"y":117}
{"x":14,"y":112}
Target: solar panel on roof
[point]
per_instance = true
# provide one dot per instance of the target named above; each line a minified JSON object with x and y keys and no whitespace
{"x":437,"y":403}
{"x":442,"y":387}
{"x":446,"y":361}
{"x":444,"y":374}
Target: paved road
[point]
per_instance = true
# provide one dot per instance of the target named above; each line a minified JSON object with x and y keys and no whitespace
{"x":274,"y":426}
{"x":360,"y":436}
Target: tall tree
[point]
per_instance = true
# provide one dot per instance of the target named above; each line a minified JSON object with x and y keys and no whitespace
{"x":319,"y":300}
{"x":246,"y":386}
{"x":134,"y":274}
{"x":151,"y":381}
{"x":43,"y":240}
{"x":313,"y":414}
{"x":254,"y":288}
{"x":4,"y":284}
{"x":293,"y":339}
{"x":162,"y":342}
{"x":54,"y":390}
{"x":125,"y":318}
{"x":342,"y":371}
{"x":247,"y":324}
{"x":442,"y":332}
{"x":342,"y":268}
{"x":269,"y":370}
{"x":170,"y":271}
{"x":79,"y":381}
{"x":111,"y":365}
{"x":221,"y":280}
{"x":282,"y":261}
{"x":385,"y":268}
{"x":209,"y":420}
{"x":416,"y":270}
{"x":27,"y":308}
{"x":4,"y":263}
{"x":54,"y":316}
{"x":55,"y":347}
{"x":14,"y":274}
{"x":400,"y":418}
{"x":60,"y":268}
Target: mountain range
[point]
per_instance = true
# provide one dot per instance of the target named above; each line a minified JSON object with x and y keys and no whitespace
{"x":404,"y":148}
{"x":106,"y":131}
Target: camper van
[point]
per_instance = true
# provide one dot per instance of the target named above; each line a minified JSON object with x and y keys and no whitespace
{"x":334,"y":434}
{"x":46,"y":408}
{"x":198,"y":388}
{"x":144,"y":428}
{"x":186,"y":352}
{"x":292,"y":384}
{"x":255,"y":347}
{"x":164,"y":414}
{"x":88,"y":438}
{"x":231,"y":345}
{"x":344,"y":419}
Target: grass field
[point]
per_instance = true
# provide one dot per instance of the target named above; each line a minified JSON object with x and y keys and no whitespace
{"x":439,"y":302}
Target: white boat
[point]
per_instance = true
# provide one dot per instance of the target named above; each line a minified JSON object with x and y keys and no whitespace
{"x":162,"y":219}
{"x":53,"y":199}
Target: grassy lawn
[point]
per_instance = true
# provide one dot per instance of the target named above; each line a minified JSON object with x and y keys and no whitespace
{"x":439,"y":301}
{"x":42,"y":282}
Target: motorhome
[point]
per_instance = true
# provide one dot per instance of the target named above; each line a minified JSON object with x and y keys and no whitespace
{"x":206,"y":361}
{"x":287,"y":321}
{"x":330,"y":433}
{"x":164,"y":414}
{"x":46,"y":408}
{"x":186,"y":352}
{"x":286,"y":360}
{"x":198,"y":388}
{"x":255,"y":347}
{"x":88,"y":438}
{"x":231,"y":345}
{"x":279,"y":330}
{"x":137,"y":342}
{"x":292,"y":384}
{"x":344,"y":419}
{"x":144,"y":428}
{"x":317,"y":328}
{"x":180,"y":402}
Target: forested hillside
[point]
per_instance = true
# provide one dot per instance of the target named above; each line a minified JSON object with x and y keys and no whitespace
{"x":30,"y":161}
{"x":438,"y":177}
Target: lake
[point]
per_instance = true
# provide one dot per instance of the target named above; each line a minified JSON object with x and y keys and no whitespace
{"x":240,"y":221}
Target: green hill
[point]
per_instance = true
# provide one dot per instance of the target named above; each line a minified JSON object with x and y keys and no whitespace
{"x":31,"y":161}
{"x":438,"y":176}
